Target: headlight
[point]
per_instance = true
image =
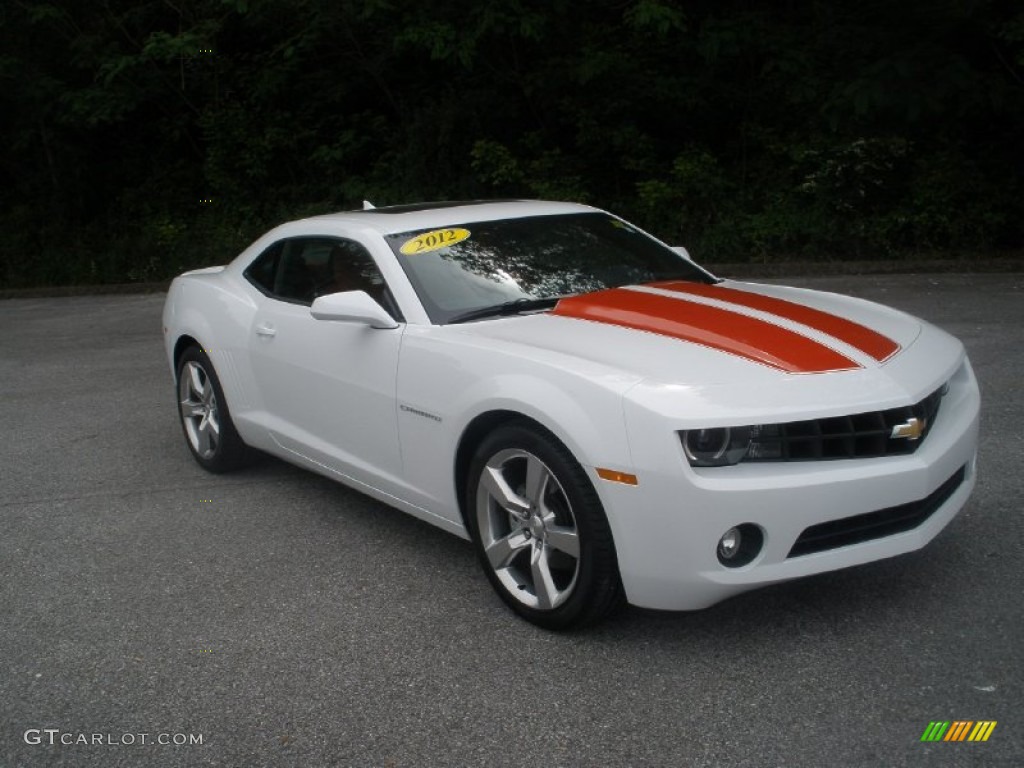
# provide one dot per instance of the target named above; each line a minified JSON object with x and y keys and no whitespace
{"x":716,"y":447}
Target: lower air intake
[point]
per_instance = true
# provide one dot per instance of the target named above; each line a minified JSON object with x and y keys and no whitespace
{"x":875,"y":525}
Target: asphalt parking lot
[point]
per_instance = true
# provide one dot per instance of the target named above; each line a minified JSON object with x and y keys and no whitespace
{"x":286,"y":620}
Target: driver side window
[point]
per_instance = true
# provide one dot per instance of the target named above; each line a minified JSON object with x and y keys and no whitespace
{"x":299,"y":269}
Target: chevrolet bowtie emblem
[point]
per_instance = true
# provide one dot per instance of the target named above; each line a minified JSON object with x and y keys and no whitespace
{"x":911,"y":429}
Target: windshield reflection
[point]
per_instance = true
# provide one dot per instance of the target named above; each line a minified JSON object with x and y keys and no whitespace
{"x":532,"y":258}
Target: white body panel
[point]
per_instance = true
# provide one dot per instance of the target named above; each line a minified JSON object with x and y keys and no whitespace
{"x":384,"y":410}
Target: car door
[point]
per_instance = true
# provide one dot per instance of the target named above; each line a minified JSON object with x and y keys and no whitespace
{"x":327,"y":388}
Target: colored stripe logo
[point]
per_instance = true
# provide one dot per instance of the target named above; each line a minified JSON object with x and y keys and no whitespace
{"x":731,"y":332}
{"x":958,"y":730}
{"x":869,"y":342}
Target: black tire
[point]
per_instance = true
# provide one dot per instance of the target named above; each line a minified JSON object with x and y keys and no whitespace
{"x":525,"y":546}
{"x":213,"y":440}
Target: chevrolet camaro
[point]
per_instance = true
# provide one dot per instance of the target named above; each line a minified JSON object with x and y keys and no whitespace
{"x":604,"y":419}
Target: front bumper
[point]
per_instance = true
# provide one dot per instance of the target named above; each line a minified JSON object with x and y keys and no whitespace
{"x":668,"y":526}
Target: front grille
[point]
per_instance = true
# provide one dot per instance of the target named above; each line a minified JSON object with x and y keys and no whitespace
{"x":862,"y":435}
{"x":875,"y":525}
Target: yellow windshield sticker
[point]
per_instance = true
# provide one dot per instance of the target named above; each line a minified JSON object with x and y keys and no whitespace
{"x":433,"y":241}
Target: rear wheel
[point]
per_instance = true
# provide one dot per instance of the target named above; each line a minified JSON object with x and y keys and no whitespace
{"x":205,"y":419}
{"x":540,"y":531}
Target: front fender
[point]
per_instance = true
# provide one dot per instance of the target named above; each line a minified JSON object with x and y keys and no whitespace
{"x":443,"y":387}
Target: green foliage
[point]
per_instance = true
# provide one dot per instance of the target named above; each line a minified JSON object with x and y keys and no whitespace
{"x":660,"y":18}
{"x":747,"y":132}
{"x":495,"y":165}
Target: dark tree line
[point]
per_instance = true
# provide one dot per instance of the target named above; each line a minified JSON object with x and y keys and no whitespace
{"x":141,"y":137}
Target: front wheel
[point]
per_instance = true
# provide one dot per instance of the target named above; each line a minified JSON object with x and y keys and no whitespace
{"x":540,"y":531}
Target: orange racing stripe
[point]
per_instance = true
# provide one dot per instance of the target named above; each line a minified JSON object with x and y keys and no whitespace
{"x":720,"y":329}
{"x":856,"y":335}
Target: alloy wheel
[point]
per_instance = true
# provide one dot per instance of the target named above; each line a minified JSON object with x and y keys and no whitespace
{"x":199,"y":409}
{"x":528,"y":530}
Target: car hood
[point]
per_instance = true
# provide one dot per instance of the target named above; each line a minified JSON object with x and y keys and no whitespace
{"x":753,"y":339}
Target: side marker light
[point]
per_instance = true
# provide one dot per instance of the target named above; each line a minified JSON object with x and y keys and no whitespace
{"x":614,"y":476}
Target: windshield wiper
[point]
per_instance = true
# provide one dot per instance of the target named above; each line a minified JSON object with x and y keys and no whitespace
{"x":513,"y":307}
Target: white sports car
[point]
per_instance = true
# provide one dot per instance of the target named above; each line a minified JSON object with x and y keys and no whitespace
{"x":603,"y":418}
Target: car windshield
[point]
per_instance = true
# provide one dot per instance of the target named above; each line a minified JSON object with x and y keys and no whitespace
{"x":460,"y":271}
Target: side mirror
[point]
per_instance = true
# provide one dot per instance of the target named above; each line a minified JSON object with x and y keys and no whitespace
{"x":351,"y":307}
{"x":682,"y":252}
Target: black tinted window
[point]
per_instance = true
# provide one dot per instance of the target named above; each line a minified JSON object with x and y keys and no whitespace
{"x":261,"y":272}
{"x":300,"y":269}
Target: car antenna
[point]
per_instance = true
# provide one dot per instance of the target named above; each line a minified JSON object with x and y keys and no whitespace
{"x":368,"y":206}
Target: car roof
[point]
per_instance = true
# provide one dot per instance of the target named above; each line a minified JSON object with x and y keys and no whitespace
{"x":407,"y":218}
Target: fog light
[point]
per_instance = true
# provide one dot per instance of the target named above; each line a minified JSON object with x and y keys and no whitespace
{"x":729,"y":544}
{"x":740,"y":545}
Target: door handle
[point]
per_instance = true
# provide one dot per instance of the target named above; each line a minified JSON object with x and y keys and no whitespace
{"x":265,"y":329}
